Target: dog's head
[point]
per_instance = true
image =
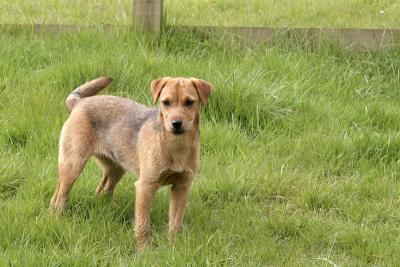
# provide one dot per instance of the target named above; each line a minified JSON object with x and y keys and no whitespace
{"x":180,"y":101}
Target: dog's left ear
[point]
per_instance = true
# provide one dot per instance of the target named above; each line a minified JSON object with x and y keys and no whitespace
{"x":157,"y":86}
{"x":203,"y":88}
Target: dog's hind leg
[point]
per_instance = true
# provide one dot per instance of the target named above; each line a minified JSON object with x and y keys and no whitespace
{"x":68,"y":170}
{"x":73,"y":154}
{"x":112,"y":174}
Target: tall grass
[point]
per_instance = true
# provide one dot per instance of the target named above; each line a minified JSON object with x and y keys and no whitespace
{"x":300,"y":162}
{"x":284,"y":13}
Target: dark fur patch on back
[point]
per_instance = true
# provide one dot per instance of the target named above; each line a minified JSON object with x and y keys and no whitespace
{"x":149,"y":115}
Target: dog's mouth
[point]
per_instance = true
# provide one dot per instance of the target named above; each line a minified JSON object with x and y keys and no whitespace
{"x":177,"y":131}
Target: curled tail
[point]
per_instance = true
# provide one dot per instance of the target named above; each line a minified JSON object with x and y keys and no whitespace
{"x":88,"y":89}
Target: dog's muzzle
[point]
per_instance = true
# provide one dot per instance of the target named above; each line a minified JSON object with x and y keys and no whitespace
{"x":177,"y":127}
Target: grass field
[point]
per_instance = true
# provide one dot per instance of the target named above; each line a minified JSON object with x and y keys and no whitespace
{"x":300,"y":159}
{"x":285,"y":13}
{"x":300,"y":156}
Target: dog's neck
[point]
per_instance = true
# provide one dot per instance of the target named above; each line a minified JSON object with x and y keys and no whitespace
{"x":181,"y":144}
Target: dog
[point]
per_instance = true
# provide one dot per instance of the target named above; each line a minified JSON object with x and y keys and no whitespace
{"x":160,"y":145}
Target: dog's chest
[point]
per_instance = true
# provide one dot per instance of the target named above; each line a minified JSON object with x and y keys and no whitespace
{"x":178,"y":161}
{"x":169,"y":177}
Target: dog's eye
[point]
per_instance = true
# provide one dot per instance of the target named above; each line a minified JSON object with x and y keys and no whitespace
{"x":166,"y":103}
{"x":189,"y":103}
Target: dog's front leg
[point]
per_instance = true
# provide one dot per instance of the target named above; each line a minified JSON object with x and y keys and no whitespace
{"x":144,"y":195}
{"x":179,"y":194}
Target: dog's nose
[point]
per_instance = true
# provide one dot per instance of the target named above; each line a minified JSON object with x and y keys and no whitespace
{"x":177,"y":124}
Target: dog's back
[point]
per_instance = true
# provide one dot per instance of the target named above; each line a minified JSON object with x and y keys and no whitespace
{"x":109,"y":122}
{"x":101,"y":125}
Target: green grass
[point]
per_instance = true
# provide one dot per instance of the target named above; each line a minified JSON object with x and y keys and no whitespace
{"x":300,"y":153}
{"x":286,"y":13}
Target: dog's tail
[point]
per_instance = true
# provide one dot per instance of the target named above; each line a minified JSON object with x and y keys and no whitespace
{"x":88,"y":89}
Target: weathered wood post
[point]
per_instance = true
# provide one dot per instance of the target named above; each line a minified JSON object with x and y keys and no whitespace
{"x":148,"y":15}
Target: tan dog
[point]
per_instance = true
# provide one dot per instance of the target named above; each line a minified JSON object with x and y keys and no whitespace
{"x":161,"y":146}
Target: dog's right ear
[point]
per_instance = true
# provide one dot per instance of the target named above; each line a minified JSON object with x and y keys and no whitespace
{"x":157,"y":86}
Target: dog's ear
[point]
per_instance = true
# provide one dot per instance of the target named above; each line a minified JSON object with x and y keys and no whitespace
{"x":157,"y":86}
{"x":203,"y":88}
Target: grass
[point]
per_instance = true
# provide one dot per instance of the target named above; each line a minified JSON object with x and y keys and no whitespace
{"x":300,"y":144}
{"x":286,"y":13}
{"x":300,"y":153}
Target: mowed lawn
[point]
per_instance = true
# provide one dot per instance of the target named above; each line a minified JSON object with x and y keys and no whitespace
{"x":284,"y":13}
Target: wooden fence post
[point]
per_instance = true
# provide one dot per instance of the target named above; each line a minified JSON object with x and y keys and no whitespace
{"x":148,"y":14}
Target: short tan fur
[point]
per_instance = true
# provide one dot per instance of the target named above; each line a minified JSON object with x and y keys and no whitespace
{"x":160,"y":145}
